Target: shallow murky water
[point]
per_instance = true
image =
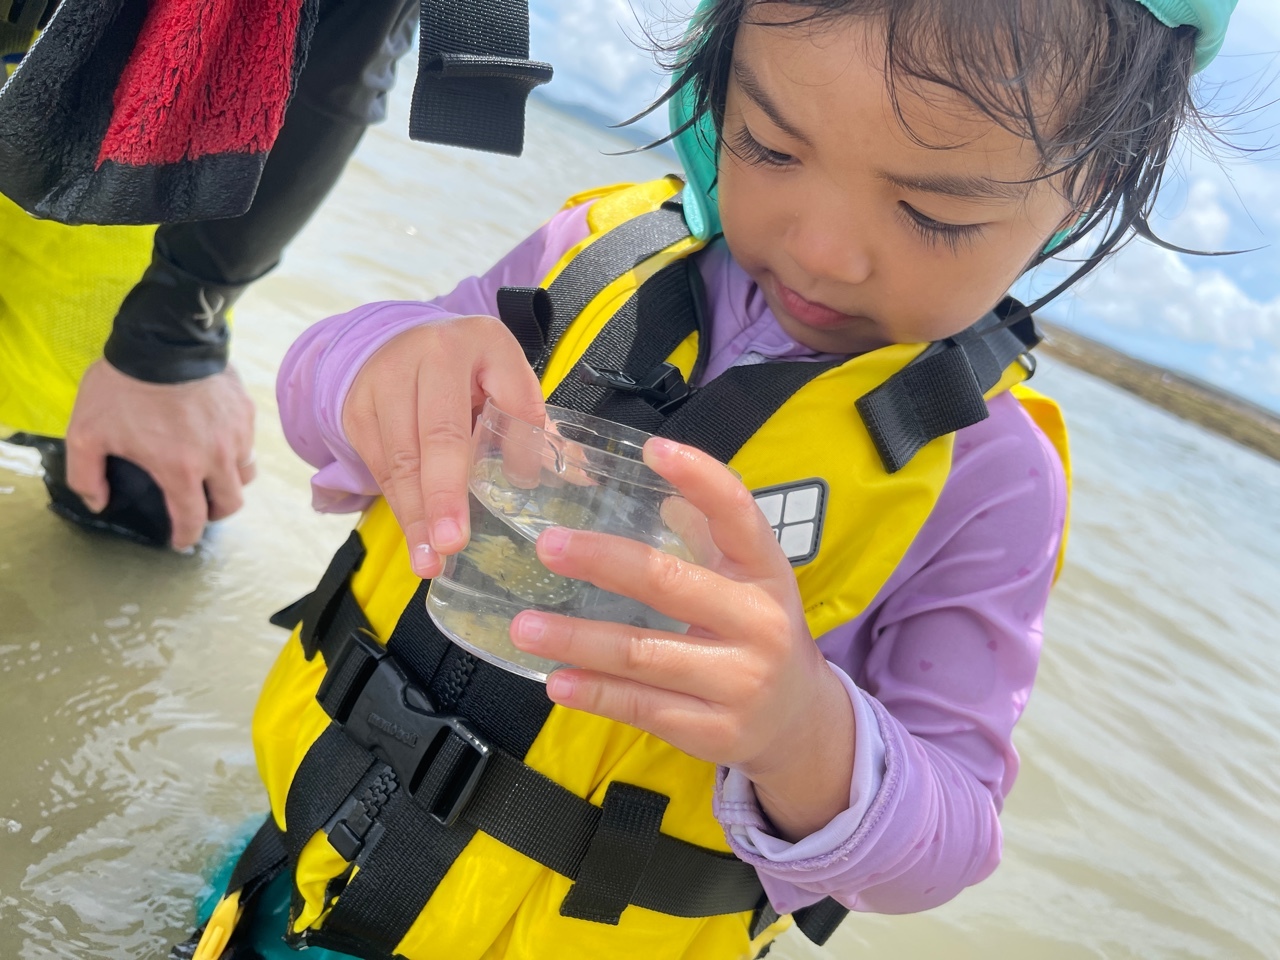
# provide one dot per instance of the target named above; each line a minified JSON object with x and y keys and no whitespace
{"x":1144,"y":821}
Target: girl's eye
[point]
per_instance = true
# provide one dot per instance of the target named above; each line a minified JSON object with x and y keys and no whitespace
{"x":932,"y":231}
{"x":748,"y":148}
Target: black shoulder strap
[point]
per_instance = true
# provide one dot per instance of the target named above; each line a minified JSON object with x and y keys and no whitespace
{"x":942,"y":390}
{"x":539,"y":318}
{"x":474,"y":74}
{"x":667,"y":308}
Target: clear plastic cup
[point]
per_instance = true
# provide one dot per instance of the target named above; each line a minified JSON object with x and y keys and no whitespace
{"x":574,"y":471}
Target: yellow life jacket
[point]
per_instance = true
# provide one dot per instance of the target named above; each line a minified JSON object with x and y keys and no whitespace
{"x":841,"y":516}
{"x":60,"y":289}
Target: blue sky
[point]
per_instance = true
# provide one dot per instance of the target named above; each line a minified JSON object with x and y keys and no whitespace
{"x":1216,"y":318}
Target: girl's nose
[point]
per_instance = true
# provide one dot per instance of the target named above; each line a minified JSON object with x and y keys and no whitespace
{"x":831,"y":249}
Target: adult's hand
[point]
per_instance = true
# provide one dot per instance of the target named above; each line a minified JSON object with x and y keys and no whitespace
{"x":195,"y":439}
{"x":409,"y":415}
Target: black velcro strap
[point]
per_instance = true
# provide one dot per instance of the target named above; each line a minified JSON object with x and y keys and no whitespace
{"x":600,"y":263}
{"x":620,"y":850}
{"x":942,"y":389}
{"x":474,"y":75}
{"x":986,"y":367}
{"x":526,"y":311}
{"x":928,"y":398}
{"x":533,"y":814}
{"x":991,"y":346}
{"x":322,"y":606}
{"x":819,"y":921}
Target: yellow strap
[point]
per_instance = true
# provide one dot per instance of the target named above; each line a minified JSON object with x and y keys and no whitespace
{"x":217,"y":932}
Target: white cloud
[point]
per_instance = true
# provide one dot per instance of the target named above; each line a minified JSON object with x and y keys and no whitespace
{"x":1203,"y":223}
{"x":601,"y":52}
{"x":1154,"y":290}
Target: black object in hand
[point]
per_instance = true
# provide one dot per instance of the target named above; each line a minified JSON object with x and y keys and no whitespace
{"x":136,"y":508}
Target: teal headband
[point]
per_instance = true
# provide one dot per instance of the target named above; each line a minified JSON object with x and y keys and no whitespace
{"x":696,"y":144}
{"x":1209,"y":17}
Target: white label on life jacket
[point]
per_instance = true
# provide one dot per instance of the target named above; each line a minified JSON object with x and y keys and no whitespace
{"x":795,"y":511}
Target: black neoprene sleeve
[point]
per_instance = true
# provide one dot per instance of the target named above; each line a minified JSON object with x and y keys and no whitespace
{"x":172,"y":325}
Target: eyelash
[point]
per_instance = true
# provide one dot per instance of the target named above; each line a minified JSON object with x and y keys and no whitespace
{"x":932,"y":232}
{"x":748,"y":148}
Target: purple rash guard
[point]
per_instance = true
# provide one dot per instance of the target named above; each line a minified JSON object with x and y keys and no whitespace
{"x":939,"y":666}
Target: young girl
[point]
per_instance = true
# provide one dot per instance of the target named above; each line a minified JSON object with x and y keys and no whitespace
{"x":866,"y":178}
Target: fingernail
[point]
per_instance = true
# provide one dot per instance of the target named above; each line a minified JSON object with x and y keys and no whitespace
{"x":559,"y":687}
{"x":530,"y":628}
{"x":446,"y":532}
{"x":425,"y":561}
{"x":554,"y":541}
{"x":663,"y":447}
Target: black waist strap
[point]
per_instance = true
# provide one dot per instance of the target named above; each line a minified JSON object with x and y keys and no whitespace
{"x":615,"y":853}
{"x":392,"y":765}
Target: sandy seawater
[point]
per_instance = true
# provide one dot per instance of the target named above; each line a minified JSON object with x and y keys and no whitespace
{"x":1143,"y":823}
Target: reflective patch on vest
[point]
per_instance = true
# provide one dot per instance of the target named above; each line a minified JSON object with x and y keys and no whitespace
{"x":795,"y":511}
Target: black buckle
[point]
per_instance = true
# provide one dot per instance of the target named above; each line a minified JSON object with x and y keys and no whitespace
{"x":392,"y":718}
{"x":664,"y":387}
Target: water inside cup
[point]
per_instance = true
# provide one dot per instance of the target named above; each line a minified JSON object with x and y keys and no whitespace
{"x":499,"y":574}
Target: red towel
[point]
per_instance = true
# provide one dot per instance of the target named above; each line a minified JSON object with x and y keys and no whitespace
{"x":129,"y":111}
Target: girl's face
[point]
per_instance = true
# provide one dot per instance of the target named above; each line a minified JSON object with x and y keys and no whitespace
{"x":858,"y":235}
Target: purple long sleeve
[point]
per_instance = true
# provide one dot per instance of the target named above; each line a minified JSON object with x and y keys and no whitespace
{"x":938,"y":667}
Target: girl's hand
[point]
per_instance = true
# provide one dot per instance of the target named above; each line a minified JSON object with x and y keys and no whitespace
{"x":409,"y":415}
{"x":746,"y":687}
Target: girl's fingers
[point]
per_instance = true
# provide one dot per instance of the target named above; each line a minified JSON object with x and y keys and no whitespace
{"x":669,"y":661}
{"x":682,"y":590}
{"x":444,"y":430}
{"x":734,"y":521}
{"x":506,"y":378}
{"x":677,"y":718}
{"x":387,"y":440}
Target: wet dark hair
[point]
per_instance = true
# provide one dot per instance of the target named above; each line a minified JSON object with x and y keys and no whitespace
{"x":1119,"y":80}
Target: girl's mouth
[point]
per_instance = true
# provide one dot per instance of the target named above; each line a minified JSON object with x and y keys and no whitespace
{"x":816,"y":315}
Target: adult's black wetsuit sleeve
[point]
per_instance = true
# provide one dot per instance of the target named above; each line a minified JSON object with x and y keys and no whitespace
{"x":172,"y":325}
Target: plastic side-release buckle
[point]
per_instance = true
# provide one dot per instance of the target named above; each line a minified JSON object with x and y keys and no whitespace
{"x":438,"y":759}
{"x":217,"y":932}
{"x":664,"y":387}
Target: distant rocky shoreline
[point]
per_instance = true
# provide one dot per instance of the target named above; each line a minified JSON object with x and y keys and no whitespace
{"x":1214,"y":409}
